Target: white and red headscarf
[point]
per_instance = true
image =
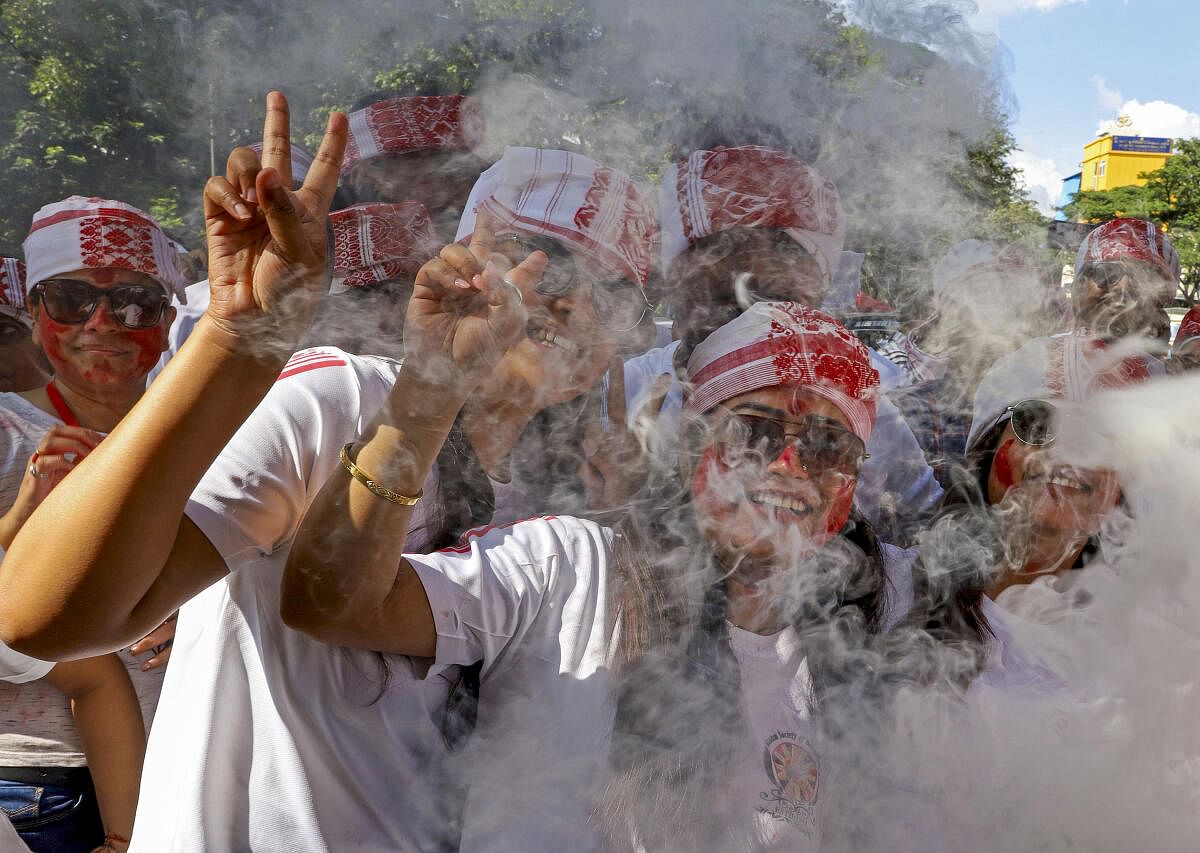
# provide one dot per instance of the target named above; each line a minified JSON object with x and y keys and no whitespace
{"x":98,"y":233}
{"x":785,"y":343}
{"x":12,"y":290}
{"x":1130,"y":240}
{"x":1189,"y":329}
{"x":400,"y":125}
{"x":594,"y":209}
{"x":301,"y":160}
{"x":751,"y":187}
{"x":1071,"y":366}
{"x":379,"y":242}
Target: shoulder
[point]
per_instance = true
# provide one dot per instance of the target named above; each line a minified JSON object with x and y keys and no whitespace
{"x":565,"y":536}
{"x":330,"y":374}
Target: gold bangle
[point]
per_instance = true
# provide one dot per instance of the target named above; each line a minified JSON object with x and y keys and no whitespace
{"x":376,"y":488}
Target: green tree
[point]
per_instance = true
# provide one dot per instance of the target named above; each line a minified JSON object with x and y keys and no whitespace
{"x":132,"y":99}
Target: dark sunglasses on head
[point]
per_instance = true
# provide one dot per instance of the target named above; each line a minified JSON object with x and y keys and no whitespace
{"x":619,"y":305}
{"x":1034,"y":422}
{"x":1108,"y":274}
{"x":820,"y":443}
{"x":70,"y":301}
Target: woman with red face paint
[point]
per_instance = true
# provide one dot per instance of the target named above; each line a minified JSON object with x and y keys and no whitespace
{"x":737,"y":581}
{"x":100,"y":276}
{"x":1030,"y":518}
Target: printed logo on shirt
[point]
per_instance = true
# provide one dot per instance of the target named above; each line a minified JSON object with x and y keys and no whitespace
{"x":307,"y":360}
{"x":794,"y":770}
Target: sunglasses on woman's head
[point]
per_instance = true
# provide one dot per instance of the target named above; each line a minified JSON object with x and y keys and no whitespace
{"x":819,"y":442}
{"x":1034,"y":422}
{"x":1108,"y":274}
{"x":619,"y":304}
{"x":72,"y":302}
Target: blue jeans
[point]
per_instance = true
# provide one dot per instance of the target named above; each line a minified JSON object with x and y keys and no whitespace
{"x":54,"y":810}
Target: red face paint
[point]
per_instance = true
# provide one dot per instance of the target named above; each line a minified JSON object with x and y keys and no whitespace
{"x":838,"y":509}
{"x":1002,"y":465}
{"x":790,"y":457}
{"x":142,"y":349}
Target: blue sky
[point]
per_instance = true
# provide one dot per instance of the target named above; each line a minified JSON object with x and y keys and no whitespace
{"x":1075,"y":65}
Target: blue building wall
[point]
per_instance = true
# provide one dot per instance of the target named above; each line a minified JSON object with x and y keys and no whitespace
{"x":1069,"y":188}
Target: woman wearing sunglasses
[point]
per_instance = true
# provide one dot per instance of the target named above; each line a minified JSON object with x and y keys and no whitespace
{"x":750,"y":560}
{"x":752,"y":224}
{"x":1034,"y":518}
{"x":100,"y":277}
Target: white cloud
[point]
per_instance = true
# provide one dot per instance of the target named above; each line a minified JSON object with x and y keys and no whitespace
{"x":988,"y":16}
{"x":1110,"y":99}
{"x":1153,"y":118}
{"x":1042,"y":177}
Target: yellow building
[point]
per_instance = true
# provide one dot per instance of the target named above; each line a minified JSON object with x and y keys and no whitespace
{"x":1116,"y":161}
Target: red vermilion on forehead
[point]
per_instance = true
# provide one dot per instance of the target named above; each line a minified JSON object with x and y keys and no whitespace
{"x":104,"y":276}
{"x":798,"y":406}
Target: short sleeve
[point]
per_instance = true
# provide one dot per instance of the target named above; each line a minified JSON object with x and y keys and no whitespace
{"x":488,"y":595}
{"x":254,"y":496}
{"x":18,"y":668}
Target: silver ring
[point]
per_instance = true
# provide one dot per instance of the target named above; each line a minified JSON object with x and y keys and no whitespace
{"x":516,"y":289}
{"x":33,"y":471}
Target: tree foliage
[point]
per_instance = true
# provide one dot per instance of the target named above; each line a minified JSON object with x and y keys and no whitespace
{"x":131,"y":99}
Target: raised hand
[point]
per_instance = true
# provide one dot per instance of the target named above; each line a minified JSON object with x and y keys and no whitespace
{"x":266,"y":244}
{"x":466,"y":310}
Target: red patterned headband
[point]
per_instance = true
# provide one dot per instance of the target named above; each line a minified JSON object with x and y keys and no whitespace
{"x":12,"y":290}
{"x":1130,"y":239}
{"x":751,"y":187}
{"x":80,"y":233}
{"x":379,"y":242}
{"x":785,"y":343}
{"x":400,"y":125}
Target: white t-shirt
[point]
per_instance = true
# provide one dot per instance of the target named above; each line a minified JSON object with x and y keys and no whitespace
{"x":895,"y":480}
{"x":266,"y":739}
{"x":36,"y":725}
{"x":532,"y":602}
{"x":780,"y":775}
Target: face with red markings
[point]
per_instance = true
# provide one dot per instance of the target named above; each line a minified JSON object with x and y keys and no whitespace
{"x":101,"y":352}
{"x":752,"y":506}
{"x":1053,"y":500}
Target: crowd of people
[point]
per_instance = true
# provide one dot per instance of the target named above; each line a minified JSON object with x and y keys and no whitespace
{"x":522,"y":506}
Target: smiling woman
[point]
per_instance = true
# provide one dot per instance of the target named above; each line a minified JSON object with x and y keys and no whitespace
{"x":98,"y":287}
{"x":1029,"y":514}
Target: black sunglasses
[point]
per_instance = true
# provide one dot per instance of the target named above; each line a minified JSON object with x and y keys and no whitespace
{"x":1108,"y":274}
{"x":70,"y":301}
{"x":1034,"y":422}
{"x":820,"y":443}
{"x":620,"y":305}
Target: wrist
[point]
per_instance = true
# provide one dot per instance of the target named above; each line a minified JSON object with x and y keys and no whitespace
{"x":249,"y":348}
{"x":422,"y":404}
